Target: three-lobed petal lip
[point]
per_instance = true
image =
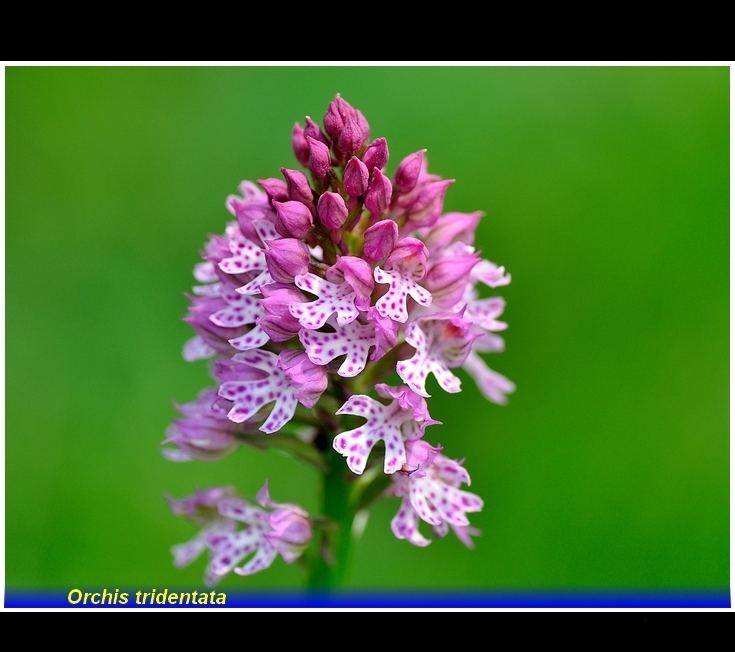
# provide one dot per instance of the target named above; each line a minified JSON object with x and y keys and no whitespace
{"x":403,"y":419}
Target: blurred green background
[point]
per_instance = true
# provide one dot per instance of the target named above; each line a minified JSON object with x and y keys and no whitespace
{"x":606,"y":191}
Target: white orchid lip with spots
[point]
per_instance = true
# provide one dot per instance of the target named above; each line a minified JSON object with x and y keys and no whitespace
{"x":336,"y":296}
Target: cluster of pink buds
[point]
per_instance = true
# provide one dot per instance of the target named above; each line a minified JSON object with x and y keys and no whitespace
{"x":327,"y":283}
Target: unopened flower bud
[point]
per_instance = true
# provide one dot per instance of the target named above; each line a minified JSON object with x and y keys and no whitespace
{"x":332,"y":210}
{"x":278,"y":296}
{"x":320,"y":161}
{"x":334,"y":119}
{"x":276,"y":188}
{"x":355,"y":133}
{"x":299,"y":144}
{"x":278,"y":329}
{"x":379,"y":192}
{"x":346,"y":126}
{"x":408,"y":171}
{"x":376,"y":155}
{"x":298,"y":186}
{"x":356,"y":177}
{"x":286,"y":258}
{"x":293,"y":219}
{"x":312,"y":130}
{"x":380,"y":239}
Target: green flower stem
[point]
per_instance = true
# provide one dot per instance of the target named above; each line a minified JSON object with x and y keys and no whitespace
{"x":330,"y":564}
